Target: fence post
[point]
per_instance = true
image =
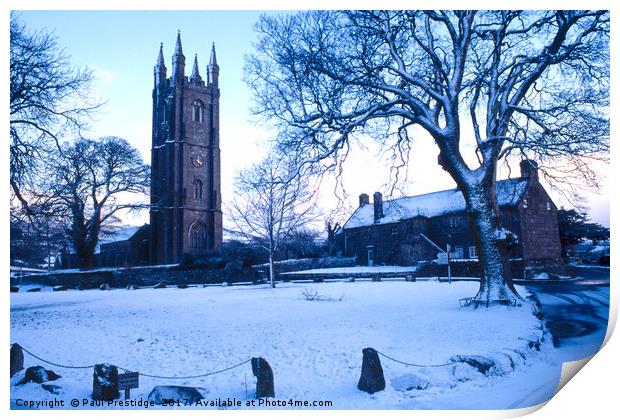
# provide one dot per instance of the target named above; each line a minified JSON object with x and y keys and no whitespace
{"x":371,"y":379}
{"x":105,"y":382}
{"x":264,"y":378}
{"x":17,"y":358}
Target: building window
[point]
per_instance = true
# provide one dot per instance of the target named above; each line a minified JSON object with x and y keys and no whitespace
{"x":524,"y":203}
{"x":548,"y":205}
{"x":198,"y":189}
{"x":197,"y":236}
{"x":410,"y":227}
{"x":367,"y":234}
{"x":452,"y":222}
{"x":458,"y":251}
{"x":394,"y":230}
{"x":472,"y":252}
{"x":198,"y":111}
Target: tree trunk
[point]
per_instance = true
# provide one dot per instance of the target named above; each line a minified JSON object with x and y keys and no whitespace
{"x":86,"y":260}
{"x":496,"y":281}
{"x":271,"y":272}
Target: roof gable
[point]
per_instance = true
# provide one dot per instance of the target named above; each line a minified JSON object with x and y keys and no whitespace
{"x":439,"y":203}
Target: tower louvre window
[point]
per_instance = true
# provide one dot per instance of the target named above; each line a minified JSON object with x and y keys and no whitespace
{"x":198,"y":110}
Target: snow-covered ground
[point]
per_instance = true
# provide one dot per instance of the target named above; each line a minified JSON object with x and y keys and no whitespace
{"x":314,"y":347}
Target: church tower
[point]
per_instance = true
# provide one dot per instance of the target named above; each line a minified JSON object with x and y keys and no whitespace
{"x":186,"y":215}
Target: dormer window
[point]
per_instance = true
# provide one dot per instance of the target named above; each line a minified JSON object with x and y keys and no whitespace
{"x":548,"y":205}
{"x":198,"y":111}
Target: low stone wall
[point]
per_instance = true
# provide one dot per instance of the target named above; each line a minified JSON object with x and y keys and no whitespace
{"x":142,"y":276}
{"x":457,"y":268}
{"x":308,"y":264}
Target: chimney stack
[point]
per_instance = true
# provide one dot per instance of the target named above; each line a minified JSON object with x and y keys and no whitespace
{"x":364,"y":199}
{"x":378,"y":203}
{"x":529,"y":169}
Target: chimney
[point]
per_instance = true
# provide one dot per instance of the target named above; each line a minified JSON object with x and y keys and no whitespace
{"x":529,"y":169}
{"x":378,"y":203}
{"x":364,"y":200}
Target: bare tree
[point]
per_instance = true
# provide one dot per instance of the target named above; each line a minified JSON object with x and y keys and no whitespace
{"x":533,"y":83}
{"x":48,"y":99}
{"x":332,"y":229}
{"x":273,"y":201}
{"x":89,"y":183}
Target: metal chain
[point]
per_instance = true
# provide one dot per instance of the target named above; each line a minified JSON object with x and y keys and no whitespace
{"x":57,"y":364}
{"x":414,"y":364}
{"x":189,"y":377}
{"x":141,"y":374}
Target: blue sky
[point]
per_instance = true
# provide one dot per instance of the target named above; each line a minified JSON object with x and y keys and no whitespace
{"x":121,"y":48}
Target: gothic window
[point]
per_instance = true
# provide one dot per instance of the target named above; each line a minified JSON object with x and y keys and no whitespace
{"x":198,"y":109}
{"x":197,"y":236}
{"x":198,"y":189}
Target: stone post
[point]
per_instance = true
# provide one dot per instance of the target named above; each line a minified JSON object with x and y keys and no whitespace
{"x":371,"y":379}
{"x":105,"y":382}
{"x":17,"y":358}
{"x":264,"y":378}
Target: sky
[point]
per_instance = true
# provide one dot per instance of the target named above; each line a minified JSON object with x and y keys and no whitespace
{"x":121,"y":48}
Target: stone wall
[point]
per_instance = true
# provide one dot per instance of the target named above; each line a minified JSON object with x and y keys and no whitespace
{"x":306,"y":264}
{"x":142,"y":276}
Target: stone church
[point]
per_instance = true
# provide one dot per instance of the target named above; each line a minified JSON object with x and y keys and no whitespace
{"x":186,"y":205}
{"x":186,"y":215}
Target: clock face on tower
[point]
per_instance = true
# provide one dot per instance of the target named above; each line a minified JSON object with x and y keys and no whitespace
{"x":198,"y":160}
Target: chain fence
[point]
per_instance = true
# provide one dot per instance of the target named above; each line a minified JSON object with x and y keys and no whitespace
{"x":415,"y":364}
{"x":141,"y":374}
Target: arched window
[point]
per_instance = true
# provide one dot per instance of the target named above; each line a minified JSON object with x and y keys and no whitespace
{"x":197,"y":111}
{"x":197,"y":236}
{"x":198,"y":189}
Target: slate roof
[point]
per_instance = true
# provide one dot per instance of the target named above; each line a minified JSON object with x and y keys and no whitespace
{"x":439,"y":203}
{"x":121,"y":235}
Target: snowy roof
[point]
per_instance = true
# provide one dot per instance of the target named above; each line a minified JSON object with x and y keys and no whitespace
{"x":439,"y":203}
{"x":121,"y":235}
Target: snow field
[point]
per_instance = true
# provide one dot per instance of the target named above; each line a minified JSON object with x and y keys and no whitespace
{"x":313,"y":347}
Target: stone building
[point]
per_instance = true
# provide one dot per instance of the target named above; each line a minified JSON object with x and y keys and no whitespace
{"x":186,"y":206}
{"x":185,"y":216}
{"x":388,"y":232}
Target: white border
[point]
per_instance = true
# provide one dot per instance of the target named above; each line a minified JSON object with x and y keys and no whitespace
{"x":592,"y":395}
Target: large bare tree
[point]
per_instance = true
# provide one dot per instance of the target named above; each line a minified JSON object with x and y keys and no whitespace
{"x":272,"y":202}
{"x":530,"y":83}
{"x":49,"y":98}
{"x":89,"y":182}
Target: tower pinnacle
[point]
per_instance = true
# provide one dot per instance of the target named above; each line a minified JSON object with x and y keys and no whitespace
{"x":178,"y":61}
{"x":160,"y":67}
{"x":178,"y":49}
{"x":195,"y":77}
{"x":213,"y":70}
{"x":213,"y":58}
